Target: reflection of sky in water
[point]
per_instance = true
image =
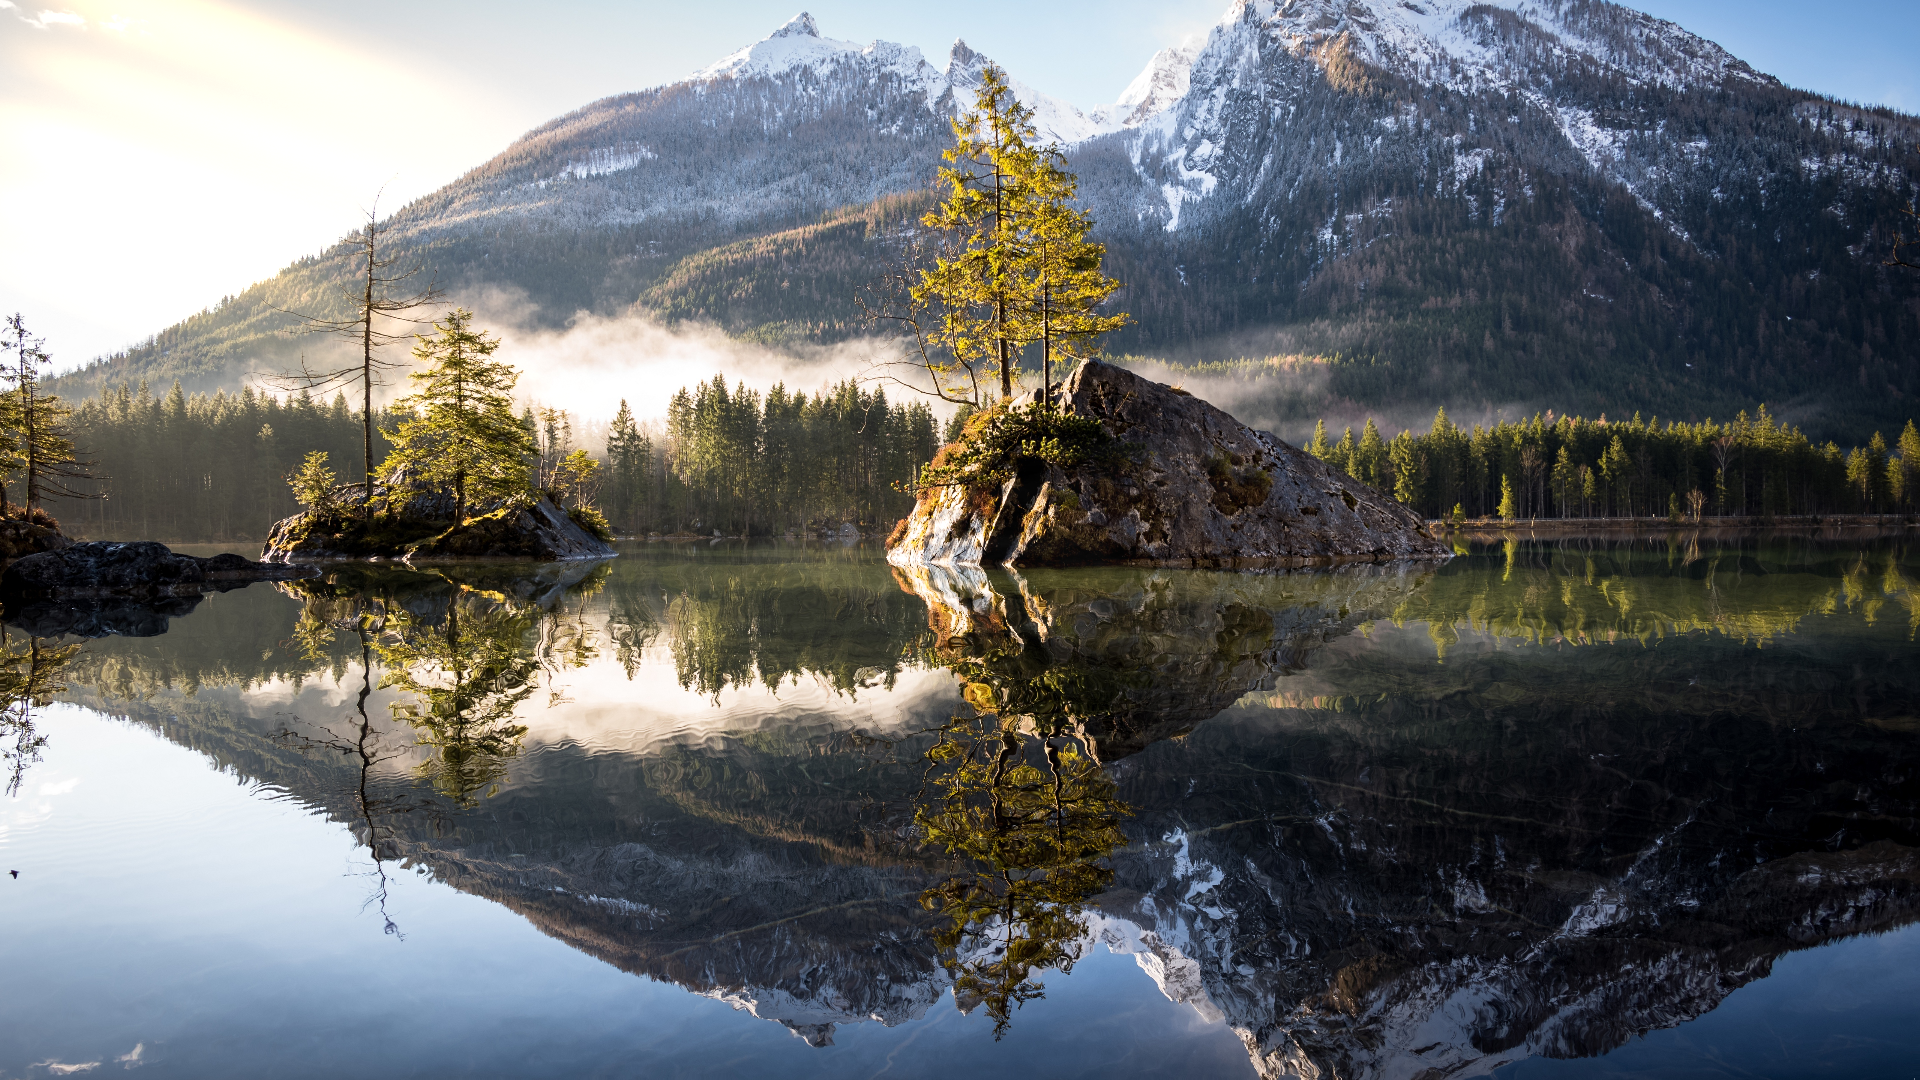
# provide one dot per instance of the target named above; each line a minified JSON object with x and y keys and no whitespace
{"x":223,"y":930}
{"x":192,"y":905}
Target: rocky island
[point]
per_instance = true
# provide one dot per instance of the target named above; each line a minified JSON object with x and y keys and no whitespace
{"x":1184,"y":485}
{"x":418,"y":520}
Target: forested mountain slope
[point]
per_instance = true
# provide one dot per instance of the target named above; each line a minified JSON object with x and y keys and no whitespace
{"x":1560,"y":204}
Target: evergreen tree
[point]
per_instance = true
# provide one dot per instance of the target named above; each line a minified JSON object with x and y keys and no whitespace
{"x":1318,"y":445}
{"x":964,"y":312}
{"x":463,"y":432}
{"x":374,"y":306}
{"x":1058,"y":268}
{"x":39,"y":447}
{"x":629,"y":466}
{"x":1508,"y":511}
{"x":1370,"y":458}
{"x":1905,"y":473}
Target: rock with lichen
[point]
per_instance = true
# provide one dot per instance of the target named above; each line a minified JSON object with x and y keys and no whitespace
{"x":1192,"y":487}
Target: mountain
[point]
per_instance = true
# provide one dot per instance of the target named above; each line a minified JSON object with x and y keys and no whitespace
{"x":1561,"y":203}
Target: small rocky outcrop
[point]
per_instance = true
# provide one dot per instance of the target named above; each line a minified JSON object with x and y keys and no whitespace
{"x":415,"y":521}
{"x":99,"y":569}
{"x":1195,"y":488}
{"x":22,"y":538}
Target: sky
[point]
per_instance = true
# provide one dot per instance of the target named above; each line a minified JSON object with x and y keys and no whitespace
{"x":157,"y":155}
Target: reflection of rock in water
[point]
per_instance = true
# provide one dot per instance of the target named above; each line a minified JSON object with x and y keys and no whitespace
{"x":1512,"y":853}
{"x":1123,"y":658}
{"x":96,"y":618}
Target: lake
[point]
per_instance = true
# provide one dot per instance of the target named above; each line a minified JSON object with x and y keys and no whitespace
{"x":1569,"y":808}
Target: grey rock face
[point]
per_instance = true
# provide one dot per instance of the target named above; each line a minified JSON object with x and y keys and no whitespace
{"x":1199,"y":489}
{"x":100,"y":569}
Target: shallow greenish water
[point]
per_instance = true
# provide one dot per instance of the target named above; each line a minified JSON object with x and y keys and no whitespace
{"x":1568,"y":808}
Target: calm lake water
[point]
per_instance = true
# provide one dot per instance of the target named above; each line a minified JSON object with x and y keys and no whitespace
{"x":1570,"y":808}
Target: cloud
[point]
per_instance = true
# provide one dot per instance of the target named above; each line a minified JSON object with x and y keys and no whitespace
{"x":49,"y":19}
{"x":132,"y":1059}
{"x":588,"y":367}
{"x":59,"y":1069}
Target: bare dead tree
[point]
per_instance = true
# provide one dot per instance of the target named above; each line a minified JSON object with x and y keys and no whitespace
{"x":376,"y":294}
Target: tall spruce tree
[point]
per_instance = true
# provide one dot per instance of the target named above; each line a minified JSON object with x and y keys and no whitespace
{"x":40,"y":447}
{"x":463,"y":432}
{"x":964,"y":312}
{"x":1057,"y":267}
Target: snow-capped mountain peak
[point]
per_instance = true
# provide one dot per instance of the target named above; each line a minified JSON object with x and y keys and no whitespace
{"x":801,"y":25}
{"x":1471,"y":44}
{"x":1160,"y":85}
{"x":798,"y":44}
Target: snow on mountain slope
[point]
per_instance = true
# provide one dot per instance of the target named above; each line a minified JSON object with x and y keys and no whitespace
{"x":797,"y":46}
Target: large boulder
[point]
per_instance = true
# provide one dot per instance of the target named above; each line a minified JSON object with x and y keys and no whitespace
{"x":1195,"y":487}
{"x":100,"y":569}
{"x":412,"y":522}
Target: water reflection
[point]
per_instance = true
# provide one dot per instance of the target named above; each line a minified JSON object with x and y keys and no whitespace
{"x":1035,"y":836}
{"x":1528,"y":804}
{"x":30,"y":678}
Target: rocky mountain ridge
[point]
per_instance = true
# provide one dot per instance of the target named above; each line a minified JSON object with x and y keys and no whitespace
{"x":1561,"y":203}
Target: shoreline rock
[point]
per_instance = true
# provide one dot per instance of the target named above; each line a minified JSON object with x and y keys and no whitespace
{"x":18,"y":539}
{"x":110,"y":570}
{"x":1204,"y":490}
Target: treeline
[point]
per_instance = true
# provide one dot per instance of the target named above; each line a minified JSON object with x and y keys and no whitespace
{"x":202,"y":468}
{"x":744,"y":463}
{"x":1573,"y":467}
{"x":214,"y":468}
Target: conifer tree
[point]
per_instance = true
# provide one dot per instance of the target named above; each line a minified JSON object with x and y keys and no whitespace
{"x":463,"y":432}
{"x":629,"y":464}
{"x":1905,"y":474}
{"x":1343,"y":452}
{"x":40,"y":447}
{"x":1370,"y":457}
{"x":1318,"y":446}
{"x":1057,"y":267}
{"x":1508,"y":511}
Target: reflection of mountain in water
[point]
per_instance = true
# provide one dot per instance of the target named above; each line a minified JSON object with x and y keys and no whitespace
{"x":1511,"y":845}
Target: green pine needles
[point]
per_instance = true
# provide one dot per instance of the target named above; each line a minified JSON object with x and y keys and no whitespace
{"x":463,"y":433}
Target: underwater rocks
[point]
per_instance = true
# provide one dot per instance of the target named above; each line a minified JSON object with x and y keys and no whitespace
{"x":1195,"y":488}
{"x":101,"y":569}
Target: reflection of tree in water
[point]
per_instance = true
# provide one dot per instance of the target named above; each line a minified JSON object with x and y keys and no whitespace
{"x":1580,"y":591}
{"x":1034,"y":815}
{"x":468,"y":671}
{"x":763,"y":624}
{"x":362,"y":745}
{"x":29,"y":678}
